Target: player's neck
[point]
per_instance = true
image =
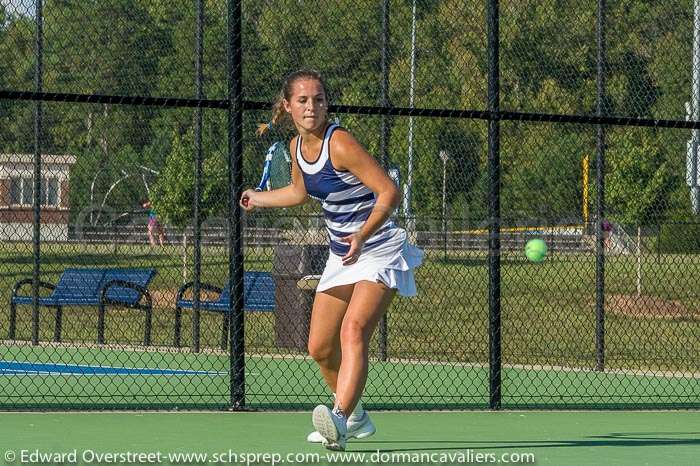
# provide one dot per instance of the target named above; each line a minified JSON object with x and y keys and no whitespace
{"x":315,"y":136}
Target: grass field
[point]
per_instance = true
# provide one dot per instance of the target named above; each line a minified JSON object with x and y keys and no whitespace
{"x":548,"y":316}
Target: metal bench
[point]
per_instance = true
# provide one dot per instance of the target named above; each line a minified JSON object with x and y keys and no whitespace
{"x":93,"y":287}
{"x":258,"y":293}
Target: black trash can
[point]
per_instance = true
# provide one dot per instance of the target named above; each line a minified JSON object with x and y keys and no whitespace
{"x":293,"y":305}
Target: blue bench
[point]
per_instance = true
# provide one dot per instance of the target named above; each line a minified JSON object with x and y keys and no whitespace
{"x":258,"y":295}
{"x":93,"y":287}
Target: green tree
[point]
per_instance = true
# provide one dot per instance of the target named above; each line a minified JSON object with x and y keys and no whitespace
{"x":17,"y":57}
{"x":104,"y":56}
{"x":639,"y":179}
{"x":173,"y":193}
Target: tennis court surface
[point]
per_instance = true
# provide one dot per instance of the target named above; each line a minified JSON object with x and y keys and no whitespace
{"x":557,"y":438}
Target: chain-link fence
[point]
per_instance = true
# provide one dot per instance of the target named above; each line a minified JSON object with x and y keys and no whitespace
{"x":131,"y":278}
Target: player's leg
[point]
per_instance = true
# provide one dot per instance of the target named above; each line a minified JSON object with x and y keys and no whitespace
{"x":324,"y":347}
{"x":161,"y":234}
{"x":324,"y":336}
{"x":151,"y":237}
{"x":324,"y":332}
{"x":368,"y":304}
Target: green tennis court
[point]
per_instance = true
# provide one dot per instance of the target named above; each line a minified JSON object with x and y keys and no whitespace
{"x":560,"y":438}
{"x":64,"y":376}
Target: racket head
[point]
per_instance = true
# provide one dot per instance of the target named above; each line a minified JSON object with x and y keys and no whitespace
{"x":309,"y":282}
{"x":277,"y":169}
{"x":280,"y":166}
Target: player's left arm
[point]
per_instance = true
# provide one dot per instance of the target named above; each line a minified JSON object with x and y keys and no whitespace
{"x":348,"y":154}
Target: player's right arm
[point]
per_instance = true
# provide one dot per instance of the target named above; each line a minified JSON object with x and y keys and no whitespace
{"x":293,"y":195}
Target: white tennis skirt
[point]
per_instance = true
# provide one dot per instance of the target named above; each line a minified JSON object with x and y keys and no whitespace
{"x":392,"y":264}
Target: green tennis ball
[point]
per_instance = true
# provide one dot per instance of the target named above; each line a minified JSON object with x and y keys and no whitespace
{"x":535,"y":250}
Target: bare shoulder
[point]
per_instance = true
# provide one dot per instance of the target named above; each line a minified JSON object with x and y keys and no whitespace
{"x":345,"y":150}
{"x":342,"y":139}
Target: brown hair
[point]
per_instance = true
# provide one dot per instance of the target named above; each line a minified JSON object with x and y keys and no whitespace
{"x":278,"y":112}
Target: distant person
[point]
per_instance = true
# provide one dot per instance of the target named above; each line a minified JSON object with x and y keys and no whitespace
{"x":154,"y":226}
{"x":607,"y":231}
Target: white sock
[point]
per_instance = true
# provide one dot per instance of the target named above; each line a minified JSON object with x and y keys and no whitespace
{"x":357,"y":413}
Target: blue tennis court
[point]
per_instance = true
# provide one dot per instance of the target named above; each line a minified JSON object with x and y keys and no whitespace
{"x":18,"y":368}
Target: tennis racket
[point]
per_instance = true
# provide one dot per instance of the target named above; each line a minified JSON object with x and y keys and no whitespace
{"x":309,"y":282}
{"x":276,"y":170}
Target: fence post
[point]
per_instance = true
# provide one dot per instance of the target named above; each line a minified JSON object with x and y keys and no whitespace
{"x":494,"y":259}
{"x":38,"y":116}
{"x":235,"y":161}
{"x":384,"y":149}
{"x":600,"y":204}
{"x":199,"y":83}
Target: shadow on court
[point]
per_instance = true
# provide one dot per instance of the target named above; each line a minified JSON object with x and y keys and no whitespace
{"x":617,"y":439}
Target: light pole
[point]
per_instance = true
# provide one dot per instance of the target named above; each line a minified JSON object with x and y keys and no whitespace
{"x":444,"y":156}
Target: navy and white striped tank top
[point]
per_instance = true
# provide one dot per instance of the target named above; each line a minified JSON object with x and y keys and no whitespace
{"x":346,"y":201}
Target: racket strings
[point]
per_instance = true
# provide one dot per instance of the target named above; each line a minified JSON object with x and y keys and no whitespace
{"x":280,"y":167}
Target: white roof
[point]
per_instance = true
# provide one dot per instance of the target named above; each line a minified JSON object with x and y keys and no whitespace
{"x":29,"y":158}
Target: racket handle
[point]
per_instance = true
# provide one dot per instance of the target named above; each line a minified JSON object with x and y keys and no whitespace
{"x":244,"y":201}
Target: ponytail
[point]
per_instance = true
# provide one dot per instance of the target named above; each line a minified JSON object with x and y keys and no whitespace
{"x":278,"y":116}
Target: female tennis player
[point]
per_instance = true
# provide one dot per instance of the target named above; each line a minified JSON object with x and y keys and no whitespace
{"x":369,"y":261}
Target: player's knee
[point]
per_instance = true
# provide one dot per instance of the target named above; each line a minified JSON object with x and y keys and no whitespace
{"x":352,"y":334}
{"x":320,"y":351}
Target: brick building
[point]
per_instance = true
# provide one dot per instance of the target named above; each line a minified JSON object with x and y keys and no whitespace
{"x":17,"y":191}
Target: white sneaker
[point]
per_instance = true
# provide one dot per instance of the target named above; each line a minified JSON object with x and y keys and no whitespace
{"x":357,"y":428}
{"x":332,"y":427}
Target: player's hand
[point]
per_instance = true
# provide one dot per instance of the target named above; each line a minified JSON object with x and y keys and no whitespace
{"x":356,"y":242}
{"x":249,"y":200}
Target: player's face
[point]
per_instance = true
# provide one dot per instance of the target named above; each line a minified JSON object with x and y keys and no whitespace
{"x":307,"y":105}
